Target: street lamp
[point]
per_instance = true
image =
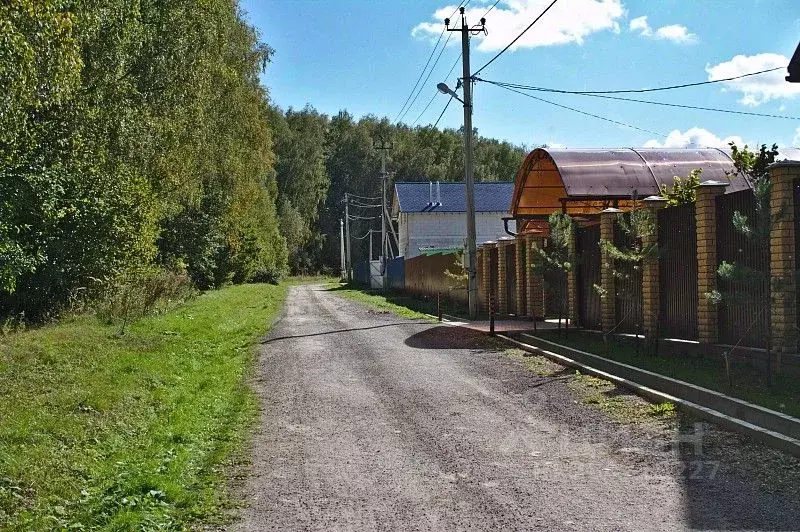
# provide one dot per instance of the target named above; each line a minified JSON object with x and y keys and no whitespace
{"x":444,"y":89}
{"x":469,"y":180}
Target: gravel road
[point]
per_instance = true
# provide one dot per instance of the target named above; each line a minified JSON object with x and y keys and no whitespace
{"x":374,"y":422}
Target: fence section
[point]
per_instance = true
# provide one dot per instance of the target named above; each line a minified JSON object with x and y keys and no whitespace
{"x":744,"y":310}
{"x":677,"y":272}
{"x":589,"y":264}
{"x":395,"y":274}
{"x":425,"y":275}
{"x":628,"y":287}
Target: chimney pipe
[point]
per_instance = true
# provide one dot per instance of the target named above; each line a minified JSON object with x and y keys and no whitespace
{"x":430,"y":192}
{"x":438,"y":195}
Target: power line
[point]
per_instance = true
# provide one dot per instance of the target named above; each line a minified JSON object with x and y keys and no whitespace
{"x":624,"y":91}
{"x":356,"y":217}
{"x":493,"y":6}
{"x":650,"y":102}
{"x":517,"y":37}
{"x":579,"y":111}
{"x":424,"y":68}
{"x":436,"y":93}
{"x":429,"y":76}
{"x":443,"y":110}
{"x":365,"y":198}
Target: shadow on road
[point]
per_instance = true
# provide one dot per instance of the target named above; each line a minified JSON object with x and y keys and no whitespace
{"x":448,"y":337}
{"x":337,"y":331}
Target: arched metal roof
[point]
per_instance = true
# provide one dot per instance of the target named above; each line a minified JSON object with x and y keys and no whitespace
{"x":615,"y":173}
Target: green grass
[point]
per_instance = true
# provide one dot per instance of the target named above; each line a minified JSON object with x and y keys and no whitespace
{"x":748,"y":383}
{"x":101,"y":432}
{"x":388,"y":302}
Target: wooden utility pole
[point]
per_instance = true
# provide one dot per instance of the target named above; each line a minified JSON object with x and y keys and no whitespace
{"x":469,"y":180}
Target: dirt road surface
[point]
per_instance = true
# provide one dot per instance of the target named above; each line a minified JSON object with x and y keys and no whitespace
{"x":374,"y":422}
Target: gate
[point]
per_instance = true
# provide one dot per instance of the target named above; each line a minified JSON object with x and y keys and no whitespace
{"x":589,"y":265}
{"x":677,"y":272}
{"x":628,"y":288}
{"x":555,"y":294}
{"x":744,"y":311}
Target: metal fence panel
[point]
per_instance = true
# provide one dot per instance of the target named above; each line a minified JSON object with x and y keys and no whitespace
{"x":677,"y":272}
{"x":744,"y":312}
{"x":589,"y":265}
{"x":627,"y":287}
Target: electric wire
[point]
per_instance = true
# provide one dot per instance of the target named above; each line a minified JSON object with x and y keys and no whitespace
{"x":518,"y":37}
{"x":443,"y":110}
{"x":356,"y":217}
{"x":655,"y":89}
{"x":650,"y":102}
{"x":424,"y":68}
{"x":582,"y":112}
{"x":493,"y":6}
{"x":365,"y":198}
{"x":436,"y":93}
{"x":424,"y":83}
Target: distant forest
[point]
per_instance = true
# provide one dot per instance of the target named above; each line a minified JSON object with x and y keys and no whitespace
{"x":319,"y":158}
{"x":136,"y":138}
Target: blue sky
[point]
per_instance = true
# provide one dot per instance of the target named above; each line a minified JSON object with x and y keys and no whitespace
{"x":365,"y":56}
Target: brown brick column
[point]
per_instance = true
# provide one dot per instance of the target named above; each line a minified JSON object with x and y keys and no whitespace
{"x":479,"y":277}
{"x":650,"y":279}
{"x":608,"y":218}
{"x":521,"y":263}
{"x":487,"y":273}
{"x":783,"y":262}
{"x":534,"y":285}
{"x":706,"y":215}
{"x":502,"y":277}
{"x":572,"y":279}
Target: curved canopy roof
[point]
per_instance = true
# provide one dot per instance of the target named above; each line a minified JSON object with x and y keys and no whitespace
{"x":585,"y":180}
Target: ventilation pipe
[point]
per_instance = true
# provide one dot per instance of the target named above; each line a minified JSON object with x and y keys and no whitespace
{"x":430,"y":193}
{"x":438,"y":195}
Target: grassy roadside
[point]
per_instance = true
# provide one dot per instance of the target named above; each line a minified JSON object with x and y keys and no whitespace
{"x":783,"y":396}
{"x":379,"y":301}
{"x":120,"y":433}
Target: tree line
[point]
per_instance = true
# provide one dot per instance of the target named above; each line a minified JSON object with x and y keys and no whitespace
{"x":319,"y":158}
{"x":137,"y":137}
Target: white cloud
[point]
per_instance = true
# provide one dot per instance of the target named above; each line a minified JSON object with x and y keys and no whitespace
{"x":559,"y":146}
{"x":755,"y":89}
{"x":640,"y":24}
{"x":796,"y":139}
{"x":674,"y":32}
{"x":695,"y":137}
{"x":566,"y":22}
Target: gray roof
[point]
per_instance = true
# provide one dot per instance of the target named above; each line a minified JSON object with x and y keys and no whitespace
{"x":422,"y":196}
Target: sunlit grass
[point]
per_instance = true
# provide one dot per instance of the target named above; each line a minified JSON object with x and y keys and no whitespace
{"x":99,"y":431}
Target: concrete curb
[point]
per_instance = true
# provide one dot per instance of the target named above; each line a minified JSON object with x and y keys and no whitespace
{"x":752,"y":420}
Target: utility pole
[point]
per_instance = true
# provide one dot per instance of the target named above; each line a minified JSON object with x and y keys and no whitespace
{"x":383,"y":147}
{"x":347,"y":237}
{"x":341,"y":249}
{"x":468,"y":147}
{"x":370,"y":244}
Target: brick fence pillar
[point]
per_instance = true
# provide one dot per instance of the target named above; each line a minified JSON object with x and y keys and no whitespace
{"x":502,"y":276}
{"x":521,"y":264}
{"x":783,"y":263}
{"x":534,"y":285}
{"x":480,"y":277}
{"x":488,"y":274}
{"x":608,"y":217}
{"x":706,"y":216}
{"x":650,"y":279}
{"x":572,"y":279}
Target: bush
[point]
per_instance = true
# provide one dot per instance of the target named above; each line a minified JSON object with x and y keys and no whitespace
{"x":140,"y":292}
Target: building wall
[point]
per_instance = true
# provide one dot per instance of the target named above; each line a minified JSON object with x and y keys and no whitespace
{"x":441,"y":230}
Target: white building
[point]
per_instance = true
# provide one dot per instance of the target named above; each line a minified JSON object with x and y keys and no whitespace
{"x":434,"y":215}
